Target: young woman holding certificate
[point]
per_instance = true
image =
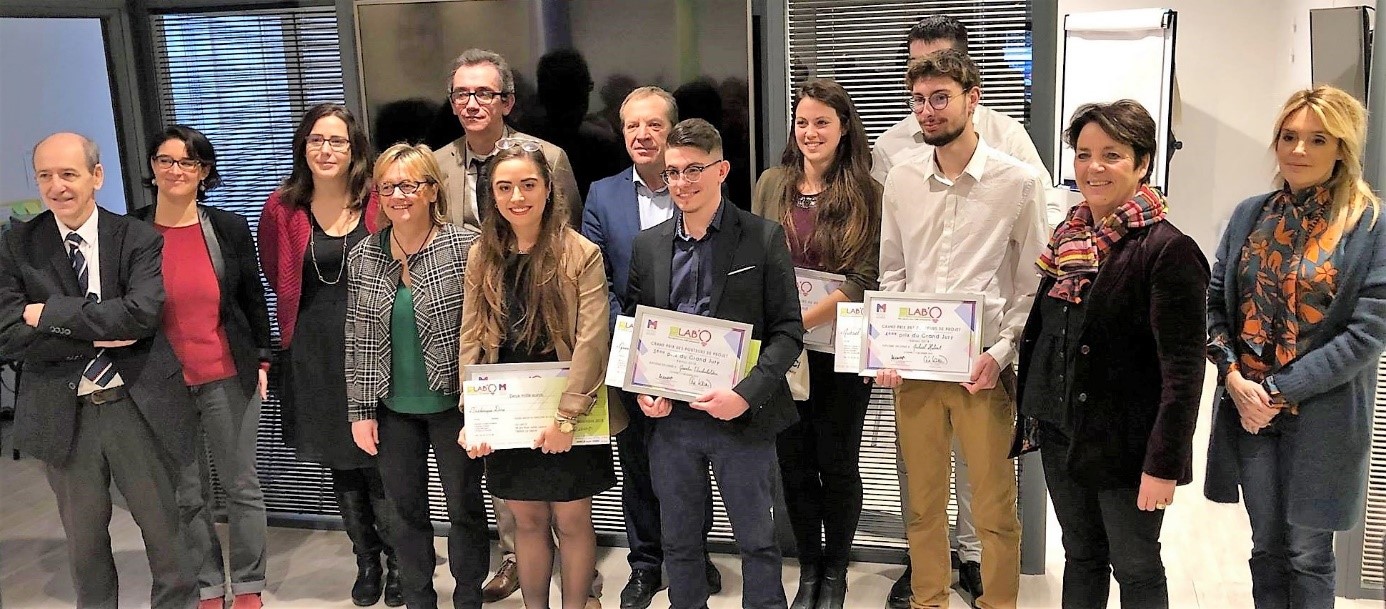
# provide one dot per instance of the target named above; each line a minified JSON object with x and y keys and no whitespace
{"x":823,"y":194}
{"x":536,"y":292}
{"x":404,"y":309}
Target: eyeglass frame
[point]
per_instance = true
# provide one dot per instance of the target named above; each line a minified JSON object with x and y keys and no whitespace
{"x":467,"y":96}
{"x":327,"y":141}
{"x":668,"y":175}
{"x":912,"y":101}
{"x":524,"y":144}
{"x":412,"y":185}
{"x":166,"y":162}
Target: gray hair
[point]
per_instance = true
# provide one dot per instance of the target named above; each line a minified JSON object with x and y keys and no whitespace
{"x":90,"y":150}
{"x":472,"y":57}
{"x":652,"y":91}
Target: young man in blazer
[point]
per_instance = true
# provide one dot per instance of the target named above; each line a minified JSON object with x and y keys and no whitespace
{"x":103,"y":397}
{"x":617,"y":209}
{"x":717,"y":260}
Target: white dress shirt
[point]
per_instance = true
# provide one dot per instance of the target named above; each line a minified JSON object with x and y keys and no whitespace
{"x":468,"y":158}
{"x":906,"y":139}
{"x":89,"y":249}
{"x":656,"y":206}
{"x":980,"y":233}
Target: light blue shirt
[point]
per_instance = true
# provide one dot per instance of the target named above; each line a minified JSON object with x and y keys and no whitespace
{"x":656,"y":206}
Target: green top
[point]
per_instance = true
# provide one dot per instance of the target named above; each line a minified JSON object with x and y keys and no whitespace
{"x":409,"y":392}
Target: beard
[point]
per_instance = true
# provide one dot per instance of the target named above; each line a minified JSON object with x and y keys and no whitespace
{"x":944,"y":138}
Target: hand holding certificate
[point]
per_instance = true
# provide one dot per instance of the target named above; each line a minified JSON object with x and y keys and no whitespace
{"x":814,"y":287}
{"x":509,"y":405}
{"x":684,"y":357}
{"x":934,"y":337}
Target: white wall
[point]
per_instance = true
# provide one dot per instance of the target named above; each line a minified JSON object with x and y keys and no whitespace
{"x":1235,"y":63}
{"x":55,"y":79}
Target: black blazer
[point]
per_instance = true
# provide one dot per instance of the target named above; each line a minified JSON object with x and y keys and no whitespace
{"x":244,"y":315}
{"x":34,"y":268}
{"x":763,"y":296}
{"x":1139,"y":374}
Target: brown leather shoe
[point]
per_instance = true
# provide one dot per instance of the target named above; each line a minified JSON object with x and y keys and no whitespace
{"x":593,"y":603}
{"x":504,"y":583}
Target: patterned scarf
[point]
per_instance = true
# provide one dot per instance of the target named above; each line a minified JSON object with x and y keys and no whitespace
{"x":1076,"y":250}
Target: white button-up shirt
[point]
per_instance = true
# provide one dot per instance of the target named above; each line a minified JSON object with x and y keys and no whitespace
{"x":656,"y":206}
{"x":90,"y":252}
{"x":980,"y":233}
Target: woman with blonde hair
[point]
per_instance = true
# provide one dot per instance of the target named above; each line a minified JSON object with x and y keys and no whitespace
{"x":1296,"y":323}
{"x":404,"y":314}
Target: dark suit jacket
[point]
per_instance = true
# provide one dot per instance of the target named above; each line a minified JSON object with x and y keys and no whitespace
{"x":34,"y":268}
{"x":244,"y":316}
{"x":1138,"y":378}
{"x":611,"y":219}
{"x":762,"y":295}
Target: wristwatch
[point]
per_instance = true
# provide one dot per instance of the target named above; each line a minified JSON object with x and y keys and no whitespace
{"x":566,"y":425}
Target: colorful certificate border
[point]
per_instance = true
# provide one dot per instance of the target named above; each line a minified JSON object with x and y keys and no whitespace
{"x":822,"y":338}
{"x":969,"y":307}
{"x":737,"y":336}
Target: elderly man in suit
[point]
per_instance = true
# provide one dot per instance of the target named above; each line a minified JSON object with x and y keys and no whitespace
{"x":717,"y":260}
{"x":103,"y":398}
{"x":617,"y":209}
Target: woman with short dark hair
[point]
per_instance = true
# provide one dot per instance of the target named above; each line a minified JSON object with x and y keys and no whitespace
{"x":1111,"y":362}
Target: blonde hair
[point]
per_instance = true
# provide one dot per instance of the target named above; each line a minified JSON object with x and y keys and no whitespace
{"x":1345,"y":118}
{"x":651,"y":91}
{"x":417,"y":160}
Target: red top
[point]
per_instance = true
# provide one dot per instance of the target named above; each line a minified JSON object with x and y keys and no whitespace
{"x":192,"y":309}
{"x":284,"y":234}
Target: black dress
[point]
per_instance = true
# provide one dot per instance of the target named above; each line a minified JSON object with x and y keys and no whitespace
{"x":524,"y":474}
{"x":315,"y":412}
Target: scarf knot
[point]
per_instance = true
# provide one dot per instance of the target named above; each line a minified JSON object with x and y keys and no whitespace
{"x":1076,"y":249}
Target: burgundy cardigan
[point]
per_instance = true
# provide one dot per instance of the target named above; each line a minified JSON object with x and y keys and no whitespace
{"x":283,"y":238}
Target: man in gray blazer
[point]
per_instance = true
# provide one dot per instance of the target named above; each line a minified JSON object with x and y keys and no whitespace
{"x":103,"y":397}
{"x":481,"y":89}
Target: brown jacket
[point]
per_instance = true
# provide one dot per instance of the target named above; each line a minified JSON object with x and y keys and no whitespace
{"x":768,"y":202}
{"x":452,"y":160}
{"x":587,"y":350}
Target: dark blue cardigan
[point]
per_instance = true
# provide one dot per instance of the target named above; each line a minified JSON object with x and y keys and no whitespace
{"x":1333,"y":380}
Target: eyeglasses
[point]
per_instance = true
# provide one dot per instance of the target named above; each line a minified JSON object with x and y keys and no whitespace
{"x":690,"y":174}
{"x":339,"y":144}
{"x":521,"y":143}
{"x":167,"y":162}
{"x":483,"y":96}
{"x":1107,"y":159}
{"x":407,"y":187}
{"x":937,"y":101}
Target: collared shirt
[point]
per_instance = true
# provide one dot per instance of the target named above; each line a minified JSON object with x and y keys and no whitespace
{"x":656,"y":206}
{"x":469,"y":161}
{"x":905,"y":139}
{"x":978,"y":234}
{"x":690,"y":284}
{"x":90,"y":251}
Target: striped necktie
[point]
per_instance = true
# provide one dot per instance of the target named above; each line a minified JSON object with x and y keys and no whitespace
{"x":101,"y":370}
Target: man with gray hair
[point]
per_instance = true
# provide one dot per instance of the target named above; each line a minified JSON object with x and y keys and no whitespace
{"x":81,"y":290}
{"x":481,"y":90}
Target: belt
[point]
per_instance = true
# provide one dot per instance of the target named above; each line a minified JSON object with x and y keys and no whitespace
{"x":106,"y":396}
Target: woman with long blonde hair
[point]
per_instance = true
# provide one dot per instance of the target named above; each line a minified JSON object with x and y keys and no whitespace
{"x":1296,"y":322}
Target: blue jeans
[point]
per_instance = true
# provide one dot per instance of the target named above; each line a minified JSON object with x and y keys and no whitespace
{"x":1291,"y":566}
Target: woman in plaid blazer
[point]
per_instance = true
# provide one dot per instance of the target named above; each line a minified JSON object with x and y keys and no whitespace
{"x":404,"y":313}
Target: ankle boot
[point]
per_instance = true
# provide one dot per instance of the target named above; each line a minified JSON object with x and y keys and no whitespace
{"x":832,"y":592}
{"x":394,"y":594}
{"x":807,"y":596}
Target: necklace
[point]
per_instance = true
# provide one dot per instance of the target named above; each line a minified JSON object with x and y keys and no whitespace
{"x":806,"y":201}
{"x":407,"y":254}
{"x":313,"y":254}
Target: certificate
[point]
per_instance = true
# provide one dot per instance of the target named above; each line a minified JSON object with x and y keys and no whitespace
{"x":620,"y":350}
{"x":847,"y":339}
{"x":681,"y":356}
{"x":507,"y":405}
{"x":932,"y":337}
{"x":814,"y":286}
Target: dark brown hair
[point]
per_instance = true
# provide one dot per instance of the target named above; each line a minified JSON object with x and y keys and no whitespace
{"x":1124,"y":120}
{"x":198,"y":147}
{"x":695,"y":133}
{"x":545,"y":320}
{"x":947,"y":63}
{"x":845,"y":215}
{"x":940,"y":27}
{"x":297,"y":189}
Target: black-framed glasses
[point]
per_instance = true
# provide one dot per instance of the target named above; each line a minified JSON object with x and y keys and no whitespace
{"x":167,"y":162}
{"x":512,"y":142}
{"x":690,"y":174}
{"x":937,"y":101}
{"x":339,"y":144}
{"x":484,"y":97}
{"x":408,"y":187}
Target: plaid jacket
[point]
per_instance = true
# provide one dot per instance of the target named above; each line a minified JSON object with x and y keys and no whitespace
{"x":372,"y":278}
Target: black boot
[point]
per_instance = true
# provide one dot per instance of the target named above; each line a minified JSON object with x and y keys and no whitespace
{"x":832,"y":592}
{"x":366,"y":591}
{"x":359,"y":522}
{"x":807,"y":597}
{"x":394,"y":595}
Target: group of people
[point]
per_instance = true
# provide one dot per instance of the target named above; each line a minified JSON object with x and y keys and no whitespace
{"x":146,"y":345}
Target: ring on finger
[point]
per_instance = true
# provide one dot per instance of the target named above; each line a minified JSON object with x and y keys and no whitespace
{"x":1160,"y":505}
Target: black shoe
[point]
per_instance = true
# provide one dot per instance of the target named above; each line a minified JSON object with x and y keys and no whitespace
{"x":832,"y":593}
{"x":394,"y":595}
{"x":900,"y":593}
{"x":970,"y":579}
{"x":366,"y":591}
{"x":807,"y":596}
{"x":955,"y":559}
{"x":640,"y":590}
{"x":714,"y":578}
